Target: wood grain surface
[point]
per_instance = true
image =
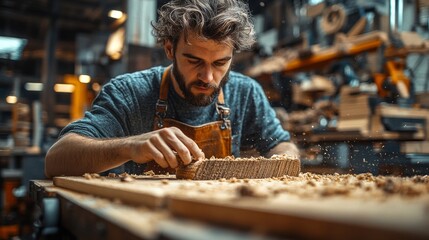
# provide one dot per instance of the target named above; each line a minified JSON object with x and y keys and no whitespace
{"x":139,"y":192}
{"x":259,"y":167}
{"x":308,"y":206}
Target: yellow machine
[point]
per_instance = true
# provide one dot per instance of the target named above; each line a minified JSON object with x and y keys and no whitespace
{"x":394,"y":66}
{"x":394,"y":76}
{"x":79,"y":99}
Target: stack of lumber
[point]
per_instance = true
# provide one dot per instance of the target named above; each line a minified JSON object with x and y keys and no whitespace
{"x":354,"y":110}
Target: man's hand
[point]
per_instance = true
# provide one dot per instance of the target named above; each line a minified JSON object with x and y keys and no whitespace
{"x":284,"y":148}
{"x":161,"y":145}
{"x":75,"y":155}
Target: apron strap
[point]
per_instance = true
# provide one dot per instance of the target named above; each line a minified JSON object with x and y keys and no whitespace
{"x":161,"y":104}
{"x":223,"y":110}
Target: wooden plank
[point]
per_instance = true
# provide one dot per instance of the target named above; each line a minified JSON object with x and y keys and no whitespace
{"x":358,"y":124}
{"x":308,"y":206}
{"x":89,"y":217}
{"x":293,"y":219}
{"x":299,"y":216}
{"x":113,"y":188}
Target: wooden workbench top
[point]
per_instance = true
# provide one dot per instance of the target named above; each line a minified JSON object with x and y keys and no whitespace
{"x":322,"y":206}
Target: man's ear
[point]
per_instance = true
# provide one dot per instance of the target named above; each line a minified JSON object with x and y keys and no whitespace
{"x":169,"y":51}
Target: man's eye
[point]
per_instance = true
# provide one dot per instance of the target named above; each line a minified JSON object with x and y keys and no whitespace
{"x":194,"y":62}
{"x":219,"y":64}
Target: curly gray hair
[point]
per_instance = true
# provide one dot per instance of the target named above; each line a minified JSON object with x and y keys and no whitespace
{"x":225,"y":21}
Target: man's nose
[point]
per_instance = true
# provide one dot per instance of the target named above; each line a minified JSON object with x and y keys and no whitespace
{"x":206,"y":73}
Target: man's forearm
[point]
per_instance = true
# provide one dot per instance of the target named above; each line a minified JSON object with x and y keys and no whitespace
{"x":75,"y":155}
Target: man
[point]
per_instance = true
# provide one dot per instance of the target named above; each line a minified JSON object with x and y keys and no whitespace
{"x":193,"y":109}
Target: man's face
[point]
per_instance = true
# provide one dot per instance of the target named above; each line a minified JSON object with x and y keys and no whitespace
{"x":200,"y":68}
{"x":199,"y":99}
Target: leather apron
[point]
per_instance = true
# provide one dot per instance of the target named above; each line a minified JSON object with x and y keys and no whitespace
{"x":214,"y":138}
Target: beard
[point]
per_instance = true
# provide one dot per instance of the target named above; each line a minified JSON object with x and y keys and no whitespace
{"x":201,"y":99}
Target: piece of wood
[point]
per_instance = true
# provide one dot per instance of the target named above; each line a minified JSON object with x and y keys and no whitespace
{"x":358,"y":124}
{"x":113,"y":188}
{"x":308,"y":206}
{"x":305,"y":209}
{"x":89,"y":217}
{"x":230,"y":167}
{"x":301,"y":219}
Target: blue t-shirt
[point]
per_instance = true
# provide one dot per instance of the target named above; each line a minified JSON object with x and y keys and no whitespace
{"x":126,"y":106}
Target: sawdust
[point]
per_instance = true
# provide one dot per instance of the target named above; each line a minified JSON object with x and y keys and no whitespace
{"x":112,"y":175}
{"x":358,"y":185}
{"x":252,"y":191}
{"x":149,"y":173}
{"x":90,"y":176}
{"x":314,"y":186}
{"x":125,"y":177}
{"x":164,"y":181}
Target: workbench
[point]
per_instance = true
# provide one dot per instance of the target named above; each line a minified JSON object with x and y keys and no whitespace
{"x":354,"y":152}
{"x":309,"y":206}
{"x":17,"y":167}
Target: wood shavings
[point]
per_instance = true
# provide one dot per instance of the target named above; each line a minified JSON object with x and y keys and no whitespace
{"x":233,"y":180}
{"x":164,"y":181}
{"x":252,"y":191}
{"x":95,"y":175}
{"x":123,"y":174}
{"x":420,"y":179}
{"x":87,"y":176}
{"x":90,"y":176}
{"x":125,"y":177}
{"x":330,"y":191}
{"x":149,"y":173}
{"x":311,"y":183}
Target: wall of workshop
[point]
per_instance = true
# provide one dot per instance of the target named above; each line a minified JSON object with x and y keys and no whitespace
{"x":140,"y":15}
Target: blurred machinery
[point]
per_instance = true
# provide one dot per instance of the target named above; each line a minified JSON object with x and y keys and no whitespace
{"x":351,"y":84}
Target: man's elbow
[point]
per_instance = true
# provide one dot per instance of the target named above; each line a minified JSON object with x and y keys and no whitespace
{"x":50,"y":164}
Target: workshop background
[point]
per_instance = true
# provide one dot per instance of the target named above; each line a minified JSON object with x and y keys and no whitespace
{"x":349,"y":80}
